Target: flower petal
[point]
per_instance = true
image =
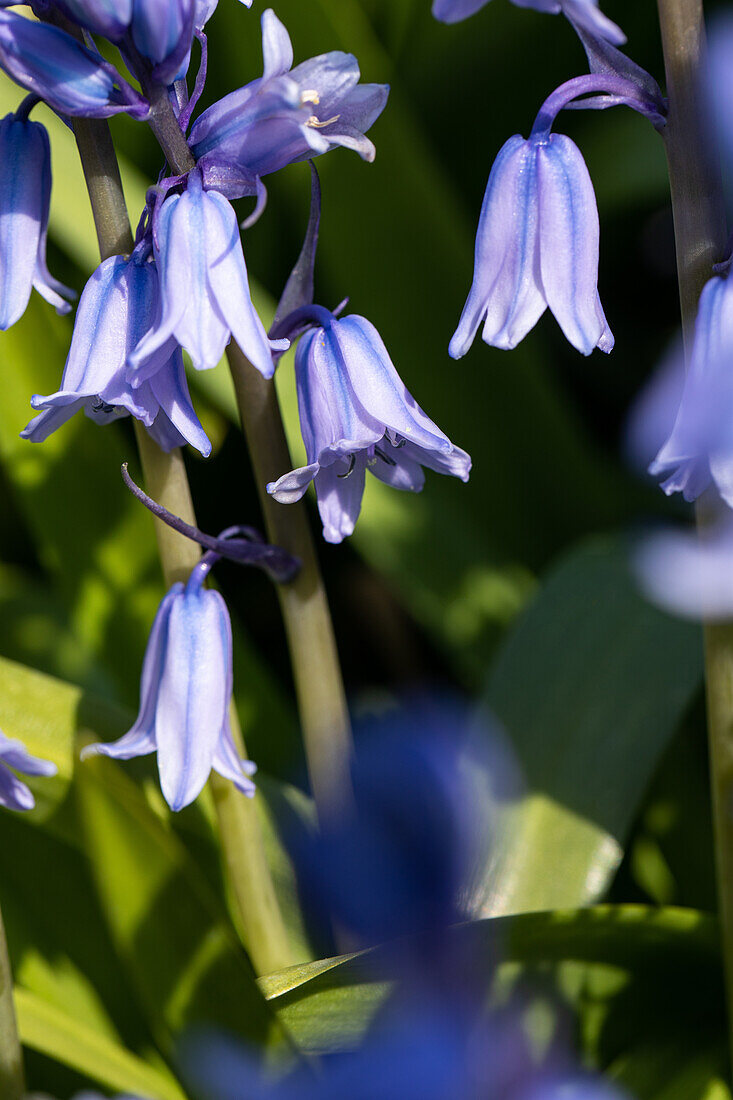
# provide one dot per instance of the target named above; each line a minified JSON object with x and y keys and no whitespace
{"x":569,"y":235}
{"x":277,"y":49}
{"x":506,"y":291}
{"x":192,"y":696}
{"x":339,"y":491}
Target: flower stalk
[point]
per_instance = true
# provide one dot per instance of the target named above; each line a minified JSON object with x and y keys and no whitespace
{"x":700,"y":235}
{"x":261,"y":923}
{"x":12,"y":1078}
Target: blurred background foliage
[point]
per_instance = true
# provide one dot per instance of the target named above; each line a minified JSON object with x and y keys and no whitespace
{"x":512,"y":590}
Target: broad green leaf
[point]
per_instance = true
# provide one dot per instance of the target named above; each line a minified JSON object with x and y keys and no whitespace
{"x":49,"y":1030}
{"x":169,"y":926}
{"x":330,"y":1004}
{"x":590,"y":688}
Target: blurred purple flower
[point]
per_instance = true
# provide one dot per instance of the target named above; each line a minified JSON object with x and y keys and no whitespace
{"x":73,"y":79}
{"x":699,"y":449}
{"x":185,"y":693}
{"x":14,"y":794}
{"x":452,"y":11}
{"x":356,"y":415}
{"x":287,"y":115}
{"x":117,"y":308}
{"x":204,"y":289}
{"x":25,"y":195}
{"x":536,"y":246}
{"x":689,"y":573}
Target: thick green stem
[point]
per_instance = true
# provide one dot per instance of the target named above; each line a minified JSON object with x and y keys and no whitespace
{"x":12,"y":1080}
{"x":319,"y":686}
{"x":700,"y":232}
{"x":261,"y":923}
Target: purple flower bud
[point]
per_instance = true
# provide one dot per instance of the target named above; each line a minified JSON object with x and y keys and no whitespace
{"x":356,"y":415}
{"x":163,"y":33}
{"x":289,"y":114}
{"x":14,"y":794}
{"x":71,"y":78}
{"x":25,"y":195}
{"x":536,"y":246}
{"x":699,"y":449}
{"x":452,"y":11}
{"x":116,"y":310}
{"x":185,"y":692}
{"x":110,"y":18}
{"x":205,"y":297}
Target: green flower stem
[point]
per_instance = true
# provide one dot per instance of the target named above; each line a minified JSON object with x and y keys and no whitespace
{"x":261,"y":923}
{"x":12,"y":1080}
{"x":319,"y":687}
{"x":700,"y":233}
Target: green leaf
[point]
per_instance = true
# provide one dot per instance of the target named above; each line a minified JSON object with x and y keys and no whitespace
{"x":329,"y":1005}
{"x":49,"y":1030}
{"x":590,"y":687}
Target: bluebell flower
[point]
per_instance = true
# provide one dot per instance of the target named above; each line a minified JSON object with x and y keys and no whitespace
{"x":356,"y":415}
{"x":25,"y":196}
{"x":185,"y":693}
{"x":452,"y":11}
{"x":71,"y":78}
{"x":110,"y":18}
{"x":537,"y":246}
{"x":689,"y":573}
{"x":117,"y":309}
{"x":14,"y":794}
{"x":699,"y":449}
{"x":204,"y":290}
{"x":289,"y":114}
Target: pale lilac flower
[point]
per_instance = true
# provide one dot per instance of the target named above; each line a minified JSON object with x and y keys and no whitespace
{"x":699,"y":449}
{"x":117,"y":308}
{"x":356,"y":415}
{"x":287,"y":115}
{"x":14,"y":794}
{"x":25,"y":195}
{"x":537,"y":246}
{"x":452,"y":11}
{"x":689,"y":573}
{"x":204,"y":290}
{"x":71,"y":78}
{"x":185,"y":693}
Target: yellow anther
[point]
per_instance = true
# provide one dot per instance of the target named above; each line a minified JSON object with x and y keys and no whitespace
{"x":318,"y":125}
{"x":310,"y":96}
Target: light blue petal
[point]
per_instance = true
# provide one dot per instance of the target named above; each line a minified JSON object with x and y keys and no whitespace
{"x":277,"y":49}
{"x":569,"y":235}
{"x":228,"y":763}
{"x":192,"y":698}
{"x":505,"y":293}
{"x":452,"y":11}
{"x":15,"y":755}
{"x":339,"y":491}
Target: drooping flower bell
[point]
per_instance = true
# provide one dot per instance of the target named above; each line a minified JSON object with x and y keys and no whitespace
{"x":287,"y":115}
{"x":14,"y":757}
{"x":537,"y":243}
{"x":117,"y":309}
{"x":25,"y":195}
{"x":537,"y":246}
{"x":356,"y":415}
{"x":699,"y":449}
{"x":70,"y":77}
{"x":185,"y":692}
{"x":452,"y":11}
{"x":204,"y":289}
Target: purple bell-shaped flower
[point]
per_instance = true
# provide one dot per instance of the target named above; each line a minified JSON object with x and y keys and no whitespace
{"x":14,"y":757}
{"x":356,"y":415}
{"x":185,"y":692}
{"x":25,"y":195}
